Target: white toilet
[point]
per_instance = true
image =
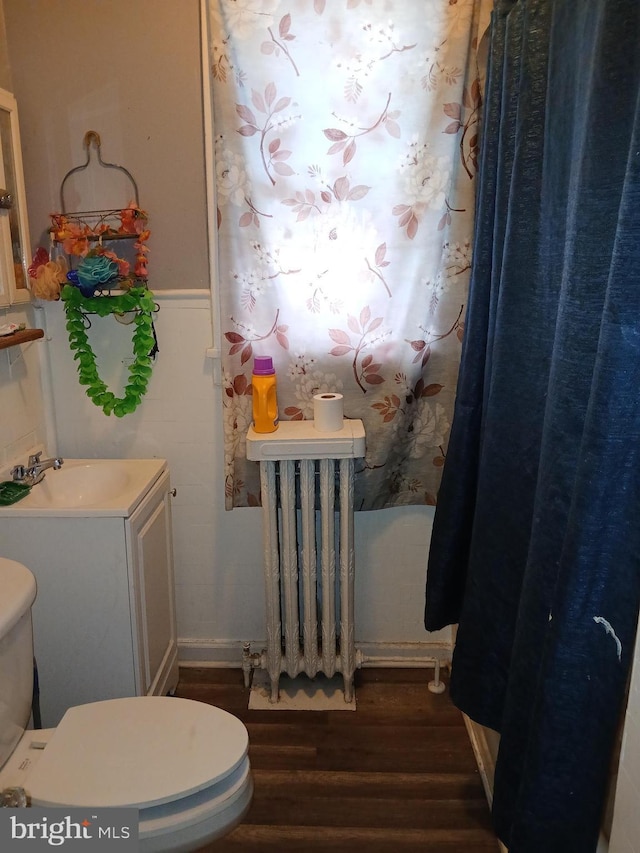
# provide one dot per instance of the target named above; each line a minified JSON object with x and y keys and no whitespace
{"x":183,"y":764}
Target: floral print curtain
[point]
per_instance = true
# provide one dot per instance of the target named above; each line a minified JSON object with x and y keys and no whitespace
{"x":346,"y":145}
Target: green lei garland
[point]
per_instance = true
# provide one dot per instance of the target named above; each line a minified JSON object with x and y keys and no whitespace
{"x":138,"y":299}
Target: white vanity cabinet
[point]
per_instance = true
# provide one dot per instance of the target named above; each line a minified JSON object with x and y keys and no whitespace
{"x":104,"y":617}
{"x":151,"y":593}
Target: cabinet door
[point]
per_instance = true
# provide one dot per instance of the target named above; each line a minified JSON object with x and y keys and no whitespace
{"x":14,"y":233}
{"x":151,"y":575}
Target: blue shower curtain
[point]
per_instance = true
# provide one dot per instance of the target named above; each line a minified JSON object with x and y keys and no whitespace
{"x":536,"y":543}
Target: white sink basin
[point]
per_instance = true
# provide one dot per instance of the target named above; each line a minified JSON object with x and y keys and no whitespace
{"x":82,"y":484}
{"x":90,"y":487}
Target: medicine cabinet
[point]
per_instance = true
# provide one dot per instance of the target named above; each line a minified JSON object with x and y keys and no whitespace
{"x":14,"y":231}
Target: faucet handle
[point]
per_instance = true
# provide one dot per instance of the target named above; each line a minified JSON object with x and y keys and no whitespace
{"x":33,"y":460}
{"x":19,"y":472}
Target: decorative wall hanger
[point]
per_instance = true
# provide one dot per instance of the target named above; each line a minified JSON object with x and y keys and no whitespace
{"x":83,"y":235}
{"x":92,"y":137}
{"x":102,"y":281}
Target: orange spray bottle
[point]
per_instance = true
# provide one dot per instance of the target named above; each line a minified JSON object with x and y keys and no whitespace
{"x":265,"y":403}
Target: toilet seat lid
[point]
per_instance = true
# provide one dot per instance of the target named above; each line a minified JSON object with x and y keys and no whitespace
{"x":138,"y":752}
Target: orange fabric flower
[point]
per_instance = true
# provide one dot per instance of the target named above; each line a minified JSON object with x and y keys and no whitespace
{"x":123,"y":266}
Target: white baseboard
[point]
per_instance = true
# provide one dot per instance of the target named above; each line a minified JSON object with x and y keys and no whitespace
{"x":213,"y":653}
{"x":228,"y":653}
{"x":483,"y":754}
{"x":398,"y":655}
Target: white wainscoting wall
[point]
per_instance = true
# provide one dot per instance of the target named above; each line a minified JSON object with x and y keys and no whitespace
{"x":218,"y":554}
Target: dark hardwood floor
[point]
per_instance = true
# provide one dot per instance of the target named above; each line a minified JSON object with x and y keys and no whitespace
{"x":396,"y":776}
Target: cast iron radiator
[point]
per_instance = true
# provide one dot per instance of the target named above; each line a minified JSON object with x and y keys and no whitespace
{"x":309,"y":567}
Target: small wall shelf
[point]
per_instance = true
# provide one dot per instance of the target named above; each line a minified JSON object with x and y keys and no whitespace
{"x":21,"y":338}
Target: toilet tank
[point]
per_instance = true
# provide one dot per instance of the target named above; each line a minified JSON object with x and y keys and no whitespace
{"x":18,"y":592}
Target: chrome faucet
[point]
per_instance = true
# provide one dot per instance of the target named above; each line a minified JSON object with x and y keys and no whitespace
{"x":33,"y":471}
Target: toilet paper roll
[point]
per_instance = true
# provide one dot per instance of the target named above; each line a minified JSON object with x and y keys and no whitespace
{"x":328,"y":412}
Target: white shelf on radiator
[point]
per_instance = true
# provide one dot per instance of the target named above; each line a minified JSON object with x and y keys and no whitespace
{"x":301,"y":440}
